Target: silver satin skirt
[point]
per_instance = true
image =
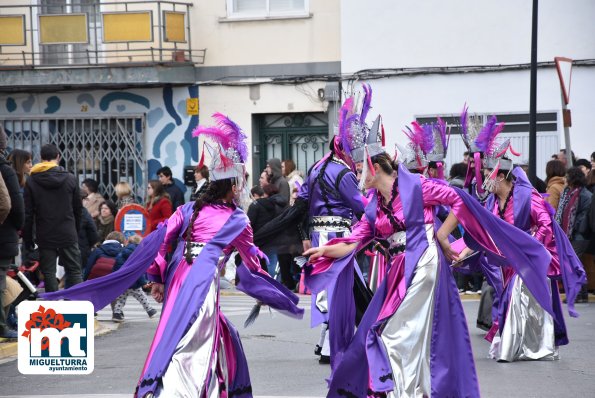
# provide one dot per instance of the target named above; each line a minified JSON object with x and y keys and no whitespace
{"x":528,"y":332}
{"x":408,"y":332}
{"x":195,"y":361}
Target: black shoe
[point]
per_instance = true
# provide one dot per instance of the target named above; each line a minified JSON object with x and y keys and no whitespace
{"x":152,"y":312}
{"x":317,"y":350}
{"x":324,"y":360}
{"x":118,"y":317}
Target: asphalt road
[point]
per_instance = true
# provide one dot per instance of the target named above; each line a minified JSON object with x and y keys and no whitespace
{"x":280,"y":355}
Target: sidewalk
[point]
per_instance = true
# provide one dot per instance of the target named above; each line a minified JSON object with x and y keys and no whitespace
{"x":9,"y":348}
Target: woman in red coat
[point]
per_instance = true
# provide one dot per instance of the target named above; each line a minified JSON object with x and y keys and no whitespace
{"x":158,"y":204}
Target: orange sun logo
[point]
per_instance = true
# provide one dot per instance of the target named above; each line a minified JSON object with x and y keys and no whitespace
{"x":43,"y":319}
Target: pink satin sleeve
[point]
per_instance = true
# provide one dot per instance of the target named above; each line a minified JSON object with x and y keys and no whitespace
{"x":541,"y":223}
{"x":174,"y":223}
{"x":361,"y":233}
{"x":435,"y":194}
{"x":245,"y":246}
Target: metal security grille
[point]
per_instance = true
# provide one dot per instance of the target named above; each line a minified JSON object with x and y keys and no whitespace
{"x":106,"y":149}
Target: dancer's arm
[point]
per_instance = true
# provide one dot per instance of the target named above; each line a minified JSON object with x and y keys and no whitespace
{"x":334,"y":251}
{"x":339,"y":247}
{"x":444,"y":232}
{"x":248,"y":251}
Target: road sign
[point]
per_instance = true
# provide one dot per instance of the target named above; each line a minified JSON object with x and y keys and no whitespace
{"x":132,"y":219}
{"x":192,"y":106}
{"x":564,"y":68}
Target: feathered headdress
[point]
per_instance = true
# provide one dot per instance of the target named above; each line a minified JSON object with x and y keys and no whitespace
{"x":360,"y":142}
{"x":470,"y":128}
{"x":230,"y":153}
{"x":493,"y":151}
{"x":421,"y":143}
{"x":441,"y":135}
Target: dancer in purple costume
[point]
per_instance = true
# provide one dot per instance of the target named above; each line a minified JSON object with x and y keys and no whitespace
{"x":523,"y":330}
{"x":413,"y":339}
{"x":196,"y":351}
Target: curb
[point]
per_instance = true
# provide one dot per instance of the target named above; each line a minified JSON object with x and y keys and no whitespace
{"x":9,"y":348}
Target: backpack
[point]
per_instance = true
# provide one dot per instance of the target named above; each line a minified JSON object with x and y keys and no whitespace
{"x":102,"y":267}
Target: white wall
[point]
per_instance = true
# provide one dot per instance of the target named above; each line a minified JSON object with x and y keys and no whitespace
{"x":400,"y":100}
{"x":414,"y":33}
{"x":430,"y":33}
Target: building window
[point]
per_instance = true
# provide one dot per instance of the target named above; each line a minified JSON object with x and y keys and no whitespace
{"x":266,"y":8}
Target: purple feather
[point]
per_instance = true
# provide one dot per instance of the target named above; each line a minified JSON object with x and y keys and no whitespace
{"x":464,"y":128}
{"x":441,"y":127}
{"x":423,"y":136}
{"x":486,"y":139}
{"x":366,"y":104}
{"x":346,"y":118}
{"x":238,"y":138}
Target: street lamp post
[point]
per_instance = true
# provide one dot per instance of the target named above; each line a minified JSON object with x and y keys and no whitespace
{"x":533,"y":99}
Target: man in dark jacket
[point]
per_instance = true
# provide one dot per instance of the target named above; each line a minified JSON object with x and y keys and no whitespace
{"x":9,"y":238}
{"x":274,"y":170}
{"x":53,"y":210}
{"x":175,"y":194}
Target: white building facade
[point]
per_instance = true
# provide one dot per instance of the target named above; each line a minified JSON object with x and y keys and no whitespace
{"x":428,"y":58}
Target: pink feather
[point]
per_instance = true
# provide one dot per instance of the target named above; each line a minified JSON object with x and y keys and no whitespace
{"x":226,"y":133}
{"x":422,"y":136}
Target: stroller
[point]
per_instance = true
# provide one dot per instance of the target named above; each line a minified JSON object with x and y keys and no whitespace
{"x":24,"y":274}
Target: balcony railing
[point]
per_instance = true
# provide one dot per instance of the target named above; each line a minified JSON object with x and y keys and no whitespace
{"x":97,"y":34}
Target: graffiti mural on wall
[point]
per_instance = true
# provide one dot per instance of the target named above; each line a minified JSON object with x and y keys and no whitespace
{"x":168,"y":136}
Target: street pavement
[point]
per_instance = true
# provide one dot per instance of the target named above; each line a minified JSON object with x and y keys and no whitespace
{"x":282,"y":364}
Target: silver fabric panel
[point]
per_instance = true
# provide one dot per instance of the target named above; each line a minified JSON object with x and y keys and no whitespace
{"x":186,"y":374}
{"x":326,"y":229}
{"x":397,"y":239}
{"x":407,"y":334}
{"x":528,"y":332}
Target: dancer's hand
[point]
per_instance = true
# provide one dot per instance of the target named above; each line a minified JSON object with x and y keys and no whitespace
{"x":448,"y":251}
{"x":314,"y":252}
{"x":157,"y":292}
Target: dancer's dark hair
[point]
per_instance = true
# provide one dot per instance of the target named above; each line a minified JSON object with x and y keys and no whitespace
{"x":324,"y":189}
{"x":386,"y":163}
{"x":214,"y":195}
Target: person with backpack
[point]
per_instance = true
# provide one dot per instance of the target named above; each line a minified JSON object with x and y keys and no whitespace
{"x":136,"y":289}
{"x":102,"y":260}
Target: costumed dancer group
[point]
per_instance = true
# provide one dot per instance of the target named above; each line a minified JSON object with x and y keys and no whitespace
{"x":405,"y":337}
